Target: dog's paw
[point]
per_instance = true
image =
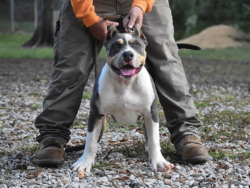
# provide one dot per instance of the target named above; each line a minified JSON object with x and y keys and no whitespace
{"x":83,"y":163}
{"x":160,"y":164}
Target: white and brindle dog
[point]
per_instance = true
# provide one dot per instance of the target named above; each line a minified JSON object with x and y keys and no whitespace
{"x":125,"y":90}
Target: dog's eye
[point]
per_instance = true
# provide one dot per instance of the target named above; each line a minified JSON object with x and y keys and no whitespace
{"x":116,"y":46}
{"x":137,"y":44}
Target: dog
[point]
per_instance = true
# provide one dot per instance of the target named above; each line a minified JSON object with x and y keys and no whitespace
{"x":125,"y":90}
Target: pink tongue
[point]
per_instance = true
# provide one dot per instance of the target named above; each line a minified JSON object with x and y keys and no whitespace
{"x":127,"y":72}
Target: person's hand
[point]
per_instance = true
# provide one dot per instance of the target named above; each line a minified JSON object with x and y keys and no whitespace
{"x":134,"y":17}
{"x":99,"y":29}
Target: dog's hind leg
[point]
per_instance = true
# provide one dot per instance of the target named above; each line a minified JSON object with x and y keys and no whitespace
{"x":86,"y":161}
{"x":158,"y":162}
{"x":104,"y":124}
{"x":145,"y":135}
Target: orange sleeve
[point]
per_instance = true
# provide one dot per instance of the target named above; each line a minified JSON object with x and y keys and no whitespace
{"x":85,"y":10}
{"x":145,"y":5}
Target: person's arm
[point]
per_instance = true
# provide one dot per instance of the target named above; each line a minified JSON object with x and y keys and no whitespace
{"x":85,"y":10}
{"x":135,"y":16}
{"x":97,"y":26}
{"x":145,"y":5}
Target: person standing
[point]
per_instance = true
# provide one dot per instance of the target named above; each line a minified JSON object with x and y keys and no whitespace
{"x":80,"y":22}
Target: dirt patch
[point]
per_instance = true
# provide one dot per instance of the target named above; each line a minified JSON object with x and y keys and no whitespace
{"x":198,"y":71}
{"x":219,"y":36}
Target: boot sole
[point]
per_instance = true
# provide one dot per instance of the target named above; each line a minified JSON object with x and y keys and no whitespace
{"x":50,"y":162}
{"x":195,"y":159}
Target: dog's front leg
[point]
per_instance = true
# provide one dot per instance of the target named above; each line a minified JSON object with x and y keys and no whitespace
{"x":158,"y":162}
{"x":86,"y":161}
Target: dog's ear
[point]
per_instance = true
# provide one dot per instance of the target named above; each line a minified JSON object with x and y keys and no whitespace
{"x":111,"y":33}
{"x":140,"y":34}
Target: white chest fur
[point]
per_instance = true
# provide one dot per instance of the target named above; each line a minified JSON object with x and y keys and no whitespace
{"x":125,"y":100}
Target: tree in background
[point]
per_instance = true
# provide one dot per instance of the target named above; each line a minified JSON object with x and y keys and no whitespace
{"x":44,"y":33}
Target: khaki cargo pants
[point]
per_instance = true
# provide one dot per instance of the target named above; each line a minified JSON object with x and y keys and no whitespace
{"x":73,"y":61}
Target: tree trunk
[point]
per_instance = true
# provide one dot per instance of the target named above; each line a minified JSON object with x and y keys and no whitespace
{"x":43,"y":35}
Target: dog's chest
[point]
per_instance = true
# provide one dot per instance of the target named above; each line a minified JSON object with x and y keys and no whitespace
{"x":125,"y":102}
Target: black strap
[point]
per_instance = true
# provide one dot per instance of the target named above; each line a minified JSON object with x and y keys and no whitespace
{"x":57,"y":27}
{"x":188,"y":46}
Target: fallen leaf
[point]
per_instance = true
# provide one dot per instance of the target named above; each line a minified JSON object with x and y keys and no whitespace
{"x":168,"y":183}
{"x":182,"y":179}
{"x":122,"y":139}
{"x":229,"y":147}
{"x":110,"y":142}
{"x":52,"y":171}
{"x":223,"y":137}
{"x":122,"y":171}
{"x":241,"y":144}
{"x":80,"y":174}
{"x":122,"y":178}
{"x":168,"y":176}
{"x":106,"y":157}
{"x":33,"y":175}
{"x":114,"y":184}
{"x":130,"y":173}
{"x":241,"y":158}
{"x":141,"y":132}
{"x":82,"y":134}
{"x":223,"y":166}
{"x":131,"y":162}
{"x":116,"y":166}
{"x":209,"y":180}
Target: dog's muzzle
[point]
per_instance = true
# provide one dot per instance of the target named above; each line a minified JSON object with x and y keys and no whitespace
{"x":127,"y":71}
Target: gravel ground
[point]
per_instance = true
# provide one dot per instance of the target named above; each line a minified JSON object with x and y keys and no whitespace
{"x":221,"y":92}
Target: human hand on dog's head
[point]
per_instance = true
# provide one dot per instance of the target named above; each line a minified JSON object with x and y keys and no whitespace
{"x":134,"y":18}
{"x":99,"y":29}
{"x":112,"y":32}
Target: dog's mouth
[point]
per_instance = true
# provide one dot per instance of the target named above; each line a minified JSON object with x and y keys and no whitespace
{"x":127,"y":71}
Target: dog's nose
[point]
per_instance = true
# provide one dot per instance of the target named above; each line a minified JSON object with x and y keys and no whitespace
{"x":128,"y":56}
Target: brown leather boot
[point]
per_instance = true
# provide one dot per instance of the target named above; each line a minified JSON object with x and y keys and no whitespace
{"x":191,"y":150}
{"x":51,"y":153}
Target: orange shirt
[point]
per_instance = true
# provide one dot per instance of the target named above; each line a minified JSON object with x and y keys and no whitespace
{"x":85,"y":10}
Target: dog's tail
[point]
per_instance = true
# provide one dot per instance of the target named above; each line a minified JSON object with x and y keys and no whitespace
{"x":188,"y":46}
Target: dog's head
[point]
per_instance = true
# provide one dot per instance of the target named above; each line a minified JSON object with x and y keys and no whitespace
{"x":126,"y":53}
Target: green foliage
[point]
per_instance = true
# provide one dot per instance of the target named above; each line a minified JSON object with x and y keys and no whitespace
{"x":218,"y":155}
{"x":234,"y":54}
{"x":192,"y":16}
{"x":32,"y":149}
{"x":99,"y":165}
{"x":86,"y":95}
{"x":36,"y":106}
{"x":10,"y":47}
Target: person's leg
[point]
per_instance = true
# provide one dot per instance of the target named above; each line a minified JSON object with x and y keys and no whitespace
{"x":172,"y":87}
{"x":73,"y":61}
{"x":167,"y":71}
